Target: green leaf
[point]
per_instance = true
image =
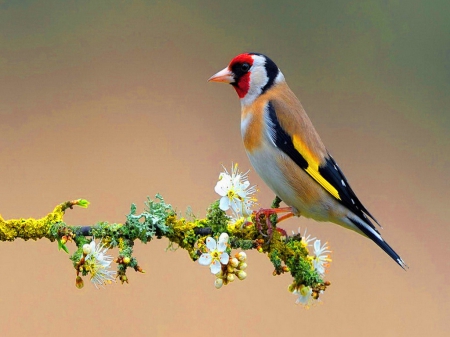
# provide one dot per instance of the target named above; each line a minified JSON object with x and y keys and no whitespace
{"x":83,"y":203}
{"x":63,"y":246}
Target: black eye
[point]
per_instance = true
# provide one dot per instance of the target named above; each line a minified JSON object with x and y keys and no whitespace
{"x":245,"y":67}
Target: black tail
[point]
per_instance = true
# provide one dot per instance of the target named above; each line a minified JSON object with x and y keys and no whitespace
{"x":373,"y":234}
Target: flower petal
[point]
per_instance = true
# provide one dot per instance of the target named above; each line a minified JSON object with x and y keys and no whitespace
{"x":317,"y":247}
{"x":224,"y":258}
{"x":236,"y":205}
{"x":247,"y":209}
{"x":224,"y":204}
{"x":205,"y":259}
{"x":320,"y":269}
{"x":211,"y":243}
{"x":220,"y":188}
{"x":221,"y":246}
{"x":215,"y":267}
{"x":244,"y":185}
{"x":224,"y":238}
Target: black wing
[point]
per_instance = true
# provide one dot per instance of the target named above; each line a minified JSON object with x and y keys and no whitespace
{"x":333,"y":174}
{"x":327,"y":174}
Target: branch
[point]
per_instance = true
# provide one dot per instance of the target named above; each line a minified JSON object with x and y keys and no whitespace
{"x":209,"y":240}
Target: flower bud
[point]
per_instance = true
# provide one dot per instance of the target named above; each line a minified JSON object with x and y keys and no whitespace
{"x":218,"y":283}
{"x":234,"y":262}
{"x":230,"y":269}
{"x":79,"y":282}
{"x":304,"y":290}
{"x":242,"y":256}
{"x":242,"y":266}
{"x":230,"y":277}
{"x":241,"y":274}
{"x":87,"y":248}
{"x":126,"y":260}
{"x":292,"y":287}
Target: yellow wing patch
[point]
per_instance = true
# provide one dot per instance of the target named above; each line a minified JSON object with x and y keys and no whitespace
{"x":313,"y":166}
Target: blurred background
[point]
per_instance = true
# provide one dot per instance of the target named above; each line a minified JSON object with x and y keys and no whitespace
{"x":109,"y":101}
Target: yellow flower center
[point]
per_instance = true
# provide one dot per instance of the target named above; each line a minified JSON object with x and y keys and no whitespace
{"x":231,"y":194}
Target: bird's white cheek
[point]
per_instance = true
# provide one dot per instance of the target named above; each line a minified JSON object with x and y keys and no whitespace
{"x":258,"y":79}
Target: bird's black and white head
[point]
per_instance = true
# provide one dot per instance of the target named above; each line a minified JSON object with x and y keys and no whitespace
{"x":251,"y":74}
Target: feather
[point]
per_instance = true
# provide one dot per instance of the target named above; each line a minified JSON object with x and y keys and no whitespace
{"x":327,"y":174}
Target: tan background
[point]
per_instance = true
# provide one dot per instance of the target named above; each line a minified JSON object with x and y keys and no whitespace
{"x":109,"y":102}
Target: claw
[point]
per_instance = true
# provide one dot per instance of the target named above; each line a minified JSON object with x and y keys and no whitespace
{"x":267,"y":212}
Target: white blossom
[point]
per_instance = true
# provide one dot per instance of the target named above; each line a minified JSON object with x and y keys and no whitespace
{"x":216,"y":254}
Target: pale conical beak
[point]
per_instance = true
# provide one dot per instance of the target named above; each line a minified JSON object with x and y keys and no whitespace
{"x":225,"y":76}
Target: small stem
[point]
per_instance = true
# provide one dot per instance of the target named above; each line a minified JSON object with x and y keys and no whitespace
{"x":276,"y":202}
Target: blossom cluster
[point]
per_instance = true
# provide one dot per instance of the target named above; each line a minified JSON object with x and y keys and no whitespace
{"x":97,"y":263}
{"x":235,"y":268}
{"x":219,"y":262}
{"x":236,"y":193}
{"x":215,"y":255}
{"x":320,"y":260}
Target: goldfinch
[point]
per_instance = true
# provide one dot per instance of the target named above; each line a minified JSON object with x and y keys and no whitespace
{"x":287,"y":152}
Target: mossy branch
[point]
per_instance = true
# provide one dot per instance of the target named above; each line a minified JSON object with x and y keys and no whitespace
{"x":158,"y":220}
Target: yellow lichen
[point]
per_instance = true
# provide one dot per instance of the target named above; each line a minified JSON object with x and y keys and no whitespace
{"x":183,"y":233}
{"x":121,"y":244}
{"x":242,"y":229}
{"x":29,"y":228}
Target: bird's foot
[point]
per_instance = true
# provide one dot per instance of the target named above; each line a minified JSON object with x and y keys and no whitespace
{"x":271,"y":219}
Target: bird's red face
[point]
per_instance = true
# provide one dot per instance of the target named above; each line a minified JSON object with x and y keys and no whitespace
{"x":251,"y":75}
{"x":237,"y":74}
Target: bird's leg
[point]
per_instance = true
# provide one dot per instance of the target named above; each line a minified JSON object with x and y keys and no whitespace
{"x":268,"y":212}
{"x":276,"y":204}
{"x":286,"y":216}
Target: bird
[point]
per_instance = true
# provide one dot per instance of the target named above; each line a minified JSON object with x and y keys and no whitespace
{"x":288,"y":154}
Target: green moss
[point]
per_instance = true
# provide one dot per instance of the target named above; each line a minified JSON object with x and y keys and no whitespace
{"x":217,"y":219}
{"x":160,"y":220}
{"x":276,"y":261}
{"x":76,"y":257}
{"x":242,"y":244}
